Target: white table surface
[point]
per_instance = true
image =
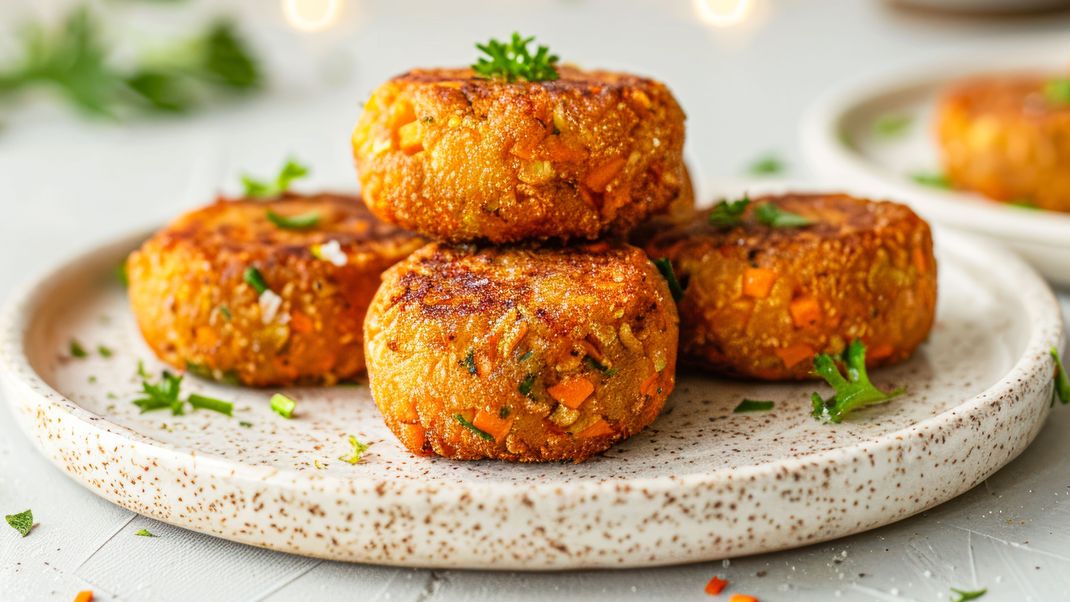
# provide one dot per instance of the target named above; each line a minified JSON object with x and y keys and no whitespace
{"x":66,"y":183}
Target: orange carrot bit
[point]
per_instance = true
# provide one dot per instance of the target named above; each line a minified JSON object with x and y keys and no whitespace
{"x":206,"y":337}
{"x":920,"y":262}
{"x":716,"y":586}
{"x":742,"y":598}
{"x":84,"y":596}
{"x":572,"y":391}
{"x":757,"y":282}
{"x":805,"y":311}
{"x":598,"y":429}
{"x":881,"y":351}
{"x":521,"y":332}
{"x":410,"y":140}
{"x":601,"y":176}
{"x":300,"y":322}
{"x":414,"y":437}
{"x":793,"y":354}
{"x":647,"y":386}
{"x":493,"y":424}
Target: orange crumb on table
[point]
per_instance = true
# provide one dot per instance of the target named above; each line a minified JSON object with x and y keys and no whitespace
{"x":716,"y":586}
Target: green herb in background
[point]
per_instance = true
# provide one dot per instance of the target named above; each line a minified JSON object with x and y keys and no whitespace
{"x":357,"y":452}
{"x":769,"y":165}
{"x":263,"y":189}
{"x":1057,"y":91}
{"x":303,"y":221}
{"x":727,"y":214}
{"x":851,"y":393}
{"x":775,"y":217}
{"x":892,"y":125}
{"x":512,"y":61}
{"x":1062,"y":381}
{"x":283,"y":405}
{"x":665,"y":268}
{"x":255,"y":279}
{"x":751,"y":405}
{"x":931,"y":179}
{"x":21,"y":522}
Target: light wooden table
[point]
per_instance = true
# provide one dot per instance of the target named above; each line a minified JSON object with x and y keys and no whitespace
{"x":66,"y":183}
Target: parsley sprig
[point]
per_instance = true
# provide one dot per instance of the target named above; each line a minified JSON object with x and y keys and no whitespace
{"x":265,"y":189}
{"x":775,"y":217}
{"x":727,"y":214}
{"x":165,"y":394}
{"x":512,"y":61}
{"x":357,"y":452}
{"x":851,"y":393}
{"x":665,"y":268}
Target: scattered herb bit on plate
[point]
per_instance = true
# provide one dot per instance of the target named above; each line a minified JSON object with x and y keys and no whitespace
{"x":851,"y":393}
{"x":283,"y":405}
{"x":768,"y":165}
{"x":255,"y":279}
{"x":262,"y":189}
{"x":357,"y":451}
{"x":1062,"y":380}
{"x":727,"y":214}
{"x":475,"y":429}
{"x":76,"y":349}
{"x":892,"y":125}
{"x":144,"y":533}
{"x":303,"y":221}
{"x":665,"y":267}
{"x":1057,"y":91}
{"x":21,"y":522}
{"x":512,"y":61}
{"x":203,"y":402}
{"x":775,"y":217}
{"x":245,"y":424}
{"x":105,"y":351}
{"x":931,"y":179}
{"x":753,"y":405}
{"x":162,"y":394}
{"x":962,"y":595}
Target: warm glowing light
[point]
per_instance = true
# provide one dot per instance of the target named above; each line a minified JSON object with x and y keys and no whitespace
{"x":311,"y":15}
{"x":722,"y":13}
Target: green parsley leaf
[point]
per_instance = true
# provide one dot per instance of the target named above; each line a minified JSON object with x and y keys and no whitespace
{"x":261,"y":189}
{"x":503,"y":413}
{"x":77,"y":350}
{"x":468,"y":425}
{"x":255,"y":279}
{"x":526,"y":355}
{"x":202,"y":402}
{"x":665,"y":268}
{"x":1057,"y":91}
{"x":599,"y":366}
{"x":144,"y":533}
{"x":358,"y":450}
{"x":512,"y":61}
{"x":769,"y":165}
{"x":775,"y":217}
{"x":294,"y":222}
{"x":162,"y":395}
{"x":964,"y":596}
{"x":851,"y":393}
{"x":121,"y":275}
{"x":932,"y":180}
{"x":727,"y":214}
{"x":892,"y":125}
{"x":21,"y":522}
{"x":469,"y":361}
{"x":223,"y":309}
{"x":283,"y":405}
{"x":1062,"y":381}
{"x":526,"y":385}
{"x":105,"y":351}
{"x":245,"y":424}
{"x":751,"y":405}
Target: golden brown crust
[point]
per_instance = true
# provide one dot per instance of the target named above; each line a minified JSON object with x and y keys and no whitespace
{"x":505,"y":337}
{"x":759,"y":302}
{"x":196,"y":311}
{"x":462,"y":158}
{"x":1000,"y":136}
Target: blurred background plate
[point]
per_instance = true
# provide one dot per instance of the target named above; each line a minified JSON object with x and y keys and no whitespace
{"x":843,"y":145}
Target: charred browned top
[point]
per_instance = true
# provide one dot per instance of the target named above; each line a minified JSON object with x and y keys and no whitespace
{"x":1007,"y":94}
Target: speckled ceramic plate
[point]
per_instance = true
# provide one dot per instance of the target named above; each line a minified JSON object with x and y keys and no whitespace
{"x":843,"y":144}
{"x":701,"y":483}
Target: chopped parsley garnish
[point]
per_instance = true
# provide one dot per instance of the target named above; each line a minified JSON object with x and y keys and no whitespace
{"x":202,"y":402}
{"x":223,"y":309}
{"x":161,"y":395}
{"x":727,"y":214}
{"x":751,"y":405}
{"x":665,"y":267}
{"x":526,"y":385}
{"x":261,"y":189}
{"x":121,"y":274}
{"x":76,"y":349}
{"x":1057,"y":91}
{"x":245,"y":423}
{"x":144,"y":533}
{"x":892,"y":125}
{"x":964,"y":596}
{"x":141,"y":372}
{"x":1062,"y":381}
{"x":775,"y":217}
{"x":303,"y":221}
{"x":851,"y":393}
{"x":599,"y":366}
{"x":283,"y":405}
{"x":526,"y":355}
{"x":255,"y":279}
{"x":503,"y":413}
{"x":768,"y":165}
{"x":931,"y":179}
{"x":21,"y":522}
{"x":475,"y":429}
{"x":358,"y":450}
{"x":512,"y":61}
{"x":469,"y":361}
{"x":105,"y":351}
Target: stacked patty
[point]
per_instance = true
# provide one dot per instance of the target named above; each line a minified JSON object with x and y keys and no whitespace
{"x":514,"y":338}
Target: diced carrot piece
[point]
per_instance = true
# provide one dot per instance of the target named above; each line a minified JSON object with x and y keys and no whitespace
{"x":805,"y":311}
{"x":572,"y":391}
{"x":521,"y":331}
{"x":84,"y":596}
{"x":757,"y":282}
{"x":206,"y":336}
{"x":598,"y":429}
{"x":879,"y":352}
{"x":603,"y":174}
{"x":919,"y":260}
{"x":300,"y":323}
{"x":406,"y":412}
{"x":493,"y":424}
{"x":400,"y":114}
{"x":409,"y":139}
{"x":742,"y":598}
{"x":414,"y":437}
{"x":647,"y":386}
{"x":561,"y":152}
{"x":716,"y":586}
{"x":793,"y":354}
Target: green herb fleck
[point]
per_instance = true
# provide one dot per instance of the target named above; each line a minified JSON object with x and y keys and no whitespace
{"x":468,"y":425}
{"x":768,"y":165}
{"x":245,"y":424}
{"x":104,"y":351}
{"x":21,"y":522}
{"x":161,"y":395}
{"x":303,"y":221}
{"x":144,"y":533}
{"x":120,"y":272}
{"x":727,"y":214}
{"x":751,"y":405}
{"x":1023,"y":204}
{"x":261,"y":189}
{"x":469,"y":361}
{"x":503,"y":413}
{"x":141,"y":372}
{"x":892,"y":125}
{"x":77,"y":350}
{"x":931,"y":179}
{"x":255,"y":279}
{"x":599,"y":366}
{"x":202,"y":402}
{"x":1057,"y":91}
{"x":283,"y":405}
{"x":512,"y":61}
{"x":1062,"y":381}
{"x":775,"y":217}
{"x":665,"y":268}
{"x":526,"y":385}
{"x":358,"y":450}
{"x":223,"y":309}
{"x":963,"y":596}
{"x":92,"y":378}
{"x":526,"y":355}
{"x":851,"y":393}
